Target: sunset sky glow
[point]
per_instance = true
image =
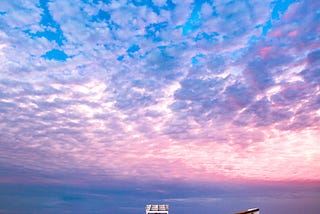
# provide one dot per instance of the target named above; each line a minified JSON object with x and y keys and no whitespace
{"x":119,"y":103}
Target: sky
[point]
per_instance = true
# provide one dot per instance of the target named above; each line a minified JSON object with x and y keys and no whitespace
{"x":210,"y":106}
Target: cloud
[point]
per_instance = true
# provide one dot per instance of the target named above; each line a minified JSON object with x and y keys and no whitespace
{"x":196,"y":91}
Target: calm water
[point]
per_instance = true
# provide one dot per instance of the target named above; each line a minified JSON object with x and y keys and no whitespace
{"x":59,"y":199}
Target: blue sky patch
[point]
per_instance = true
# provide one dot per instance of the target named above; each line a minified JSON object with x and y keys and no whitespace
{"x":55,"y":54}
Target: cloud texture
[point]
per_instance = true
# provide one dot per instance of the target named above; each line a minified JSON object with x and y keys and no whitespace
{"x":161,"y":90}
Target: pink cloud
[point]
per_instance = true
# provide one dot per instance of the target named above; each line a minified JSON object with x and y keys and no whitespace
{"x":265,"y":51}
{"x":275,"y":33}
{"x":278,"y":156}
{"x":293,"y":33}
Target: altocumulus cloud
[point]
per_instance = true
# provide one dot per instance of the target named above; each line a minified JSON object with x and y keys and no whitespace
{"x":116,"y":89}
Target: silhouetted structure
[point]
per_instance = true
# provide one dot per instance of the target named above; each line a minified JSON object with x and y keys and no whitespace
{"x":157,"y":209}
